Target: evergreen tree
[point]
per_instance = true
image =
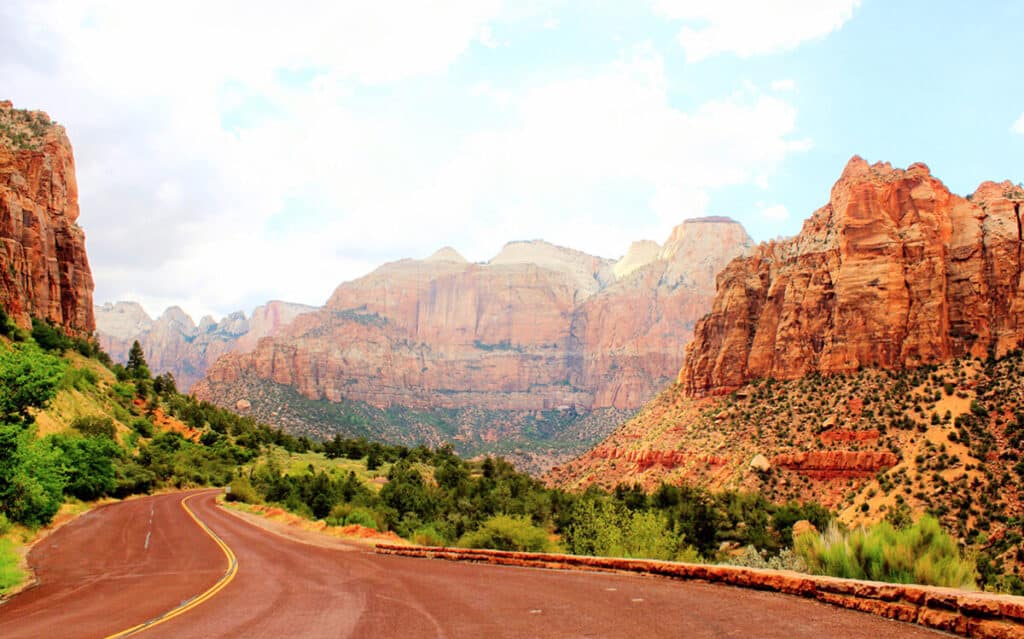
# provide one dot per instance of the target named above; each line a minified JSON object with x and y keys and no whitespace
{"x":136,"y":366}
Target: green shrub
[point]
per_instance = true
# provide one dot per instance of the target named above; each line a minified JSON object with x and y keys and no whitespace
{"x":48,"y":336}
{"x":428,"y":536}
{"x":922,"y":553}
{"x":603,"y":529}
{"x":363,"y":517}
{"x":95,"y":426}
{"x":242,"y":490}
{"x":32,"y":477}
{"x":504,"y":532}
{"x":143,"y":426}
{"x":78,"y":379}
{"x":88,"y":464}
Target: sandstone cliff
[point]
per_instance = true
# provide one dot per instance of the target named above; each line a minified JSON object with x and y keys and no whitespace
{"x":871,"y":363}
{"x":44,"y":271}
{"x":537,"y":328}
{"x":173,"y":343}
{"x":895,"y":271}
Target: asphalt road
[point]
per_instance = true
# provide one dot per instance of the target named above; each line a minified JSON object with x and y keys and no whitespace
{"x":124,"y":564}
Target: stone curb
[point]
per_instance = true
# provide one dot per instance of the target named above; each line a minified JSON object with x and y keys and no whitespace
{"x":969,"y":614}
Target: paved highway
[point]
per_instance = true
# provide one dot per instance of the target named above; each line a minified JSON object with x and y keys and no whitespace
{"x":125,"y":564}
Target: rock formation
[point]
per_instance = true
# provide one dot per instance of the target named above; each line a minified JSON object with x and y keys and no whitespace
{"x":173,"y":343}
{"x":537,"y":328}
{"x":895,"y":271}
{"x":44,"y":271}
{"x":806,"y":381}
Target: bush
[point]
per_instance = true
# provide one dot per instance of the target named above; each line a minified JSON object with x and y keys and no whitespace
{"x":143,"y":426}
{"x":31,"y":478}
{"x":88,"y":464}
{"x":920,"y":554}
{"x":603,"y":529}
{"x":48,"y":336}
{"x":242,"y":490}
{"x":362,"y":517}
{"x":504,"y":532}
{"x":428,"y":536}
{"x":95,"y":426}
{"x":78,"y":379}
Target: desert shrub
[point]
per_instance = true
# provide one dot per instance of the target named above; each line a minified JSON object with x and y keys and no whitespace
{"x":78,"y":379}
{"x":143,"y":426}
{"x":95,"y":426}
{"x":601,"y":528}
{"x":243,"y":491}
{"x":787,"y":559}
{"x":922,"y":553}
{"x":363,"y":517}
{"x":428,"y":536}
{"x":505,"y":532}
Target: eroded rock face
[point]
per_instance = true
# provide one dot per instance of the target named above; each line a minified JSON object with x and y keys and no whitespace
{"x":539,"y":327}
{"x":44,"y":271}
{"x":895,"y":271}
{"x":173,"y":343}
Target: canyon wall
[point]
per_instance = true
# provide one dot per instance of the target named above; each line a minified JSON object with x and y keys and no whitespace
{"x":538,"y":327}
{"x":174,"y":343}
{"x":895,"y":271}
{"x":44,"y":271}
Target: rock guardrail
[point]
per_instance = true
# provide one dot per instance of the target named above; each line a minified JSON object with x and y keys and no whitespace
{"x":969,"y":614}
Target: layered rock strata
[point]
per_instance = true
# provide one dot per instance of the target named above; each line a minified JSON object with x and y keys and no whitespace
{"x":895,"y":271}
{"x":44,"y":271}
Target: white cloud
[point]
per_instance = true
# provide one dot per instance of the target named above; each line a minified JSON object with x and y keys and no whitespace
{"x":230,"y":160}
{"x":781,"y":86}
{"x":752,"y":27}
{"x":1018,"y":126}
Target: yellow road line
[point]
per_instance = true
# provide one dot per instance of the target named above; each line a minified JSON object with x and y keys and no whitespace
{"x":198,"y":599}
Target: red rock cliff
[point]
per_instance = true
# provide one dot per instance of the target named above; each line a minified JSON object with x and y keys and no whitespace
{"x":539,"y":327}
{"x":895,"y":271}
{"x":44,"y":271}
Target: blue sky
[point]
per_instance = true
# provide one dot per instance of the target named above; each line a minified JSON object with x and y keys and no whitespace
{"x":259,"y":153}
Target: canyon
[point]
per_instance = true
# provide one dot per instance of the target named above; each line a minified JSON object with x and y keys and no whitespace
{"x":538,"y":342}
{"x":174,"y":343}
{"x":870,"y":363}
{"x":45,"y":271}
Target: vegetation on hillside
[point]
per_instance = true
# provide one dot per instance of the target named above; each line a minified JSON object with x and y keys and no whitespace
{"x":127,"y":432}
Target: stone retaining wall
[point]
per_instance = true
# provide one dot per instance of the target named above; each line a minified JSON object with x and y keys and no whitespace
{"x":970,"y":614}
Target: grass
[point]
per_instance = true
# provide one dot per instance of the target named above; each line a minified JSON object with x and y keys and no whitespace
{"x":11,"y":573}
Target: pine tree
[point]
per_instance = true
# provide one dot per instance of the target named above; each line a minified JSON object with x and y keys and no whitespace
{"x":136,"y":366}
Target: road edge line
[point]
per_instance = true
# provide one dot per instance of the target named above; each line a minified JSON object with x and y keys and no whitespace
{"x":195,"y":601}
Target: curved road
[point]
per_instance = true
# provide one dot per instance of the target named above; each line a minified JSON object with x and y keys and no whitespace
{"x":126,"y":563}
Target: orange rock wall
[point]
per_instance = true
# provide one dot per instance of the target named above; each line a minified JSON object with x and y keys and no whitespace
{"x":895,"y":271}
{"x":44,"y":271}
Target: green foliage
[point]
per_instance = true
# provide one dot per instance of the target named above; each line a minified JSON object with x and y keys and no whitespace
{"x":605,"y":529}
{"x":242,"y":490}
{"x":49,"y":337}
{"x":79,"y":379}
{"x":95,"y":426}
{"x":32,"y":478}
{"x":921,"y":554}
{"x":505,"y":532}
{"x":10,"y":573}
{"x":136,"y":367}
{"x":28,"y":379}
{"x":143,"y":426}
{"x":87,"y":464}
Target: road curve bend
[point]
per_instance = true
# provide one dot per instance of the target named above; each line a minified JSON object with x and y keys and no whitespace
{"x":99,"y":576}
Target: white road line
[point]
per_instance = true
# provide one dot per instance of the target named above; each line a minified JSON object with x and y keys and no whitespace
{"x":147,"y":541}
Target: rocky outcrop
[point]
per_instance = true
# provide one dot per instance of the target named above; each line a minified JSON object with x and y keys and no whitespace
{"x":895,"y":271}
{"x":173,"y":343}
{"x":835,"y":464}
{"x":539,"y":327}
{"x":44,"y":271}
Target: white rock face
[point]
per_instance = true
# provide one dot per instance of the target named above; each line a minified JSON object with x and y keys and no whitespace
{"x":589,"y":273}
{"x":123,"y":320}
{"x":447,"y":254}
{"x":639,"y":255}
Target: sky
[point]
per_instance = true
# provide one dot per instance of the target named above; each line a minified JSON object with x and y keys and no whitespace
{"x":229,"y":153}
